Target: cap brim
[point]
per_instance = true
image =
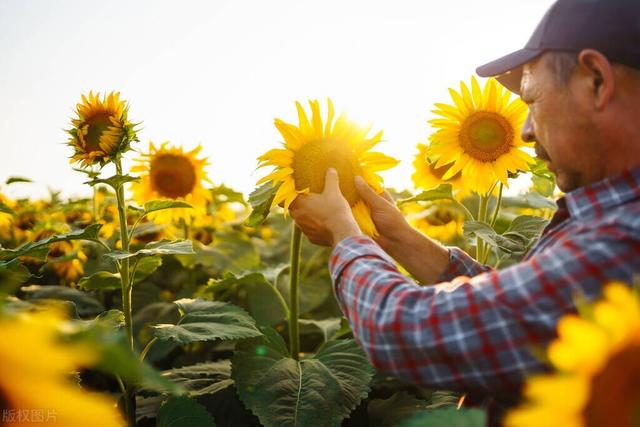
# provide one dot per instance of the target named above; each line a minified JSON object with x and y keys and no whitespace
{"x":508,"y":69}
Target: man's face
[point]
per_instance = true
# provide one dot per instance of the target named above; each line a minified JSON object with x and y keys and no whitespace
{"x":559,"y":122}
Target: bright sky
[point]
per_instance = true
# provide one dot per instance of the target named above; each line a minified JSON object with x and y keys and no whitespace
{"x":218,"y":72}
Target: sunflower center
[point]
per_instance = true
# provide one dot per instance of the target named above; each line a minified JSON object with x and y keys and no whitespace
{"x":172,"y":175}
{"x":615,"y":399}
{"x":96,"y":124}
{"x":312,"y":160}
{"x":440,"y":216}
{"x":486,"y":136}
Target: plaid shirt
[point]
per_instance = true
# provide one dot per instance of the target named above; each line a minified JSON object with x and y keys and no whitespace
{"x":474,"y":331}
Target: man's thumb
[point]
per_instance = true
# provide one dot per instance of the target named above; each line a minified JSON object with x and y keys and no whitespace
{"x":367,"y":193}
{"x":331,"y":181}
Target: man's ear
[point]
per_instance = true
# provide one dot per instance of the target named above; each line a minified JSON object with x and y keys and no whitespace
{"x":598,"y":76}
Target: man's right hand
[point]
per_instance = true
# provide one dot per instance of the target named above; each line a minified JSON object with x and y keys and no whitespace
{"x":424,"y":258}
{"x":388,"y":219}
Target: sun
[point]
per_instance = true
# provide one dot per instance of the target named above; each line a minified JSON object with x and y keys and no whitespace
{"x":100,"y":130}
{"x":170,"y":172}
{"x":35,"y":375}
{"x":479,"y":136}
{"x":315,"y":145}
{"x":596,"y":356}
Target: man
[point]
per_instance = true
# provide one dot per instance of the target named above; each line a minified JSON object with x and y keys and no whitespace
{"x":580,"y":76}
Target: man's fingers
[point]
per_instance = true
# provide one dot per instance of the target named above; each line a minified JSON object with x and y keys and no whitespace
{"x":366,"y":192}
{"x":331,"y":181}
{"x":388,"y":197}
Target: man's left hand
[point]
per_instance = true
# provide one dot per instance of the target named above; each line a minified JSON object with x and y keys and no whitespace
{"x":325,"y":218}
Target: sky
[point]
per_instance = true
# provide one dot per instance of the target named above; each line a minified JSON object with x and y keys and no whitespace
{"x":218,"y":72}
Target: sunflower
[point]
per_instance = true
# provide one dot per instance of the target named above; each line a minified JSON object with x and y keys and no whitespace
{"x":312,"y":147}
{"x":441,"y":221}
{"x":101,"y":129}
{"x":597,"y":358}
{"x":66,"y":259}
{"x":427,"y":176}
{"x":5,"y":218}
{"x":168,"y":172}
{"x":479,"y":136}
{"x":35,"y":368}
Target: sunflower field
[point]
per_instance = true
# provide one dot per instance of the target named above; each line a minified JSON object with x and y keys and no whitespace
{"x":165,"y":299}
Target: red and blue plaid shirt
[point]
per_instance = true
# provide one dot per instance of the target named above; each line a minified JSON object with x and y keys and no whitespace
{"x":476,"y":333}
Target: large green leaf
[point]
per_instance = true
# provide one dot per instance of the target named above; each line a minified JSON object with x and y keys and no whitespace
{"x":255,"y":293}
{"x":162,"y":247}
{"x":182,"y":411}
{"x":86,"y":305}
{"x":12,"y":275}
{"x":260,"y":200}
{"x":522,"y":232}
{"x":145,"y":267}
{"x":100,"y":280}
{"x":318,"y":391}
{"x":40,"y":249}
{"x":206,"y":321}
{"x":158,"y":205}
{"x":202,"y":378}
{"x":450,"y":417}
{"x":442,"y":192}
{"x":531,"y":200}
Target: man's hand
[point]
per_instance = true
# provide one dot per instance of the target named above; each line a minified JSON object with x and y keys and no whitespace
{"x":424,"y":258}
{"x":325,"y":218}
{"x":388,"y":219}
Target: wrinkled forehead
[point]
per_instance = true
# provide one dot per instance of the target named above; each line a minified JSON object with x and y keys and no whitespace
{"x":531,"y":72}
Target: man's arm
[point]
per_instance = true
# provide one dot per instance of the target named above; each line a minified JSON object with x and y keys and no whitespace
{"x":475,"y":333}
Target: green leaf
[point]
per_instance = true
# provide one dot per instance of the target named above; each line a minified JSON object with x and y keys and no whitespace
{"x":85,"y":304}
{"x":207,"y":321}
{"x":106,"y":336}
{"x":489,"y":235}
{"x":183,"y":411}
{"x":450,"y":417}
{"x":443,"y":191}
{"x":390,"y":412}
{"x":40,"y":249}
{"x":158,"y":205}
{"x":202,"y":378}
{"x":6,"y":209}
{"x":544,"y":181}
{"x":100,"y":280}
{"x":530,"y":200}
{"x":162,"y":247}
{"x":12,"y":275}
{"x":14,"y":179}
{"x":318,"y":391}
{"x":114,"y":182}
{"x":327,"y":327}
{"x":262,"y":299}
{"x":146,"y":267}
{"x":530,"y":226}
{"x":260,"y":200}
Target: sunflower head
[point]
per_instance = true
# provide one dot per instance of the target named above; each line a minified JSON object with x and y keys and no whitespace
{"x":427,"y":176}
{"x":479,"y":136}
{"x":169,"y":172}
{"x":597,"y":378}
{"x":101,"y":130}
{"x":441,"y":221}
{"x":315,"y":145}
{"x":34,"y":373}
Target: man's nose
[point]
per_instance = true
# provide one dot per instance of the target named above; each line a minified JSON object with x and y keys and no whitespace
{"x":528,"y":133}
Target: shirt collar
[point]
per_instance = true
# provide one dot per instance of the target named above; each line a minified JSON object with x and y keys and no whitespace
{"x":597,"y":198}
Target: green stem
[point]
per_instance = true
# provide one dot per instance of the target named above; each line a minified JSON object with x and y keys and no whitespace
{"x":294,"y":300}
{"x":129,"y":396}
{"x":150,"y":344}
{"x":95,"y":203}
{"x":498,"y":205}
{"x":482,"y":216}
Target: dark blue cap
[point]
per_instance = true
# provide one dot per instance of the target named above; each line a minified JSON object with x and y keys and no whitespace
{"x":611,"y":27}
